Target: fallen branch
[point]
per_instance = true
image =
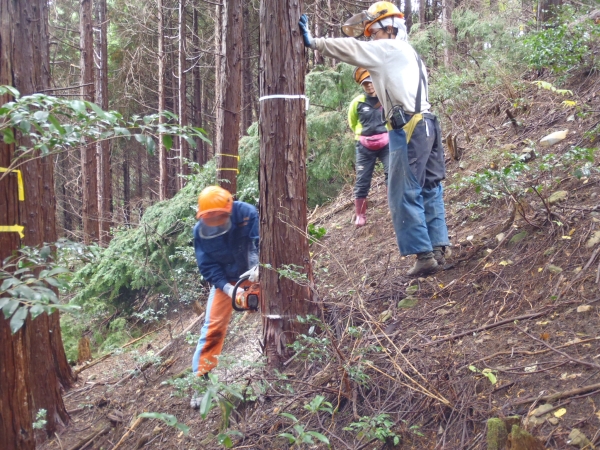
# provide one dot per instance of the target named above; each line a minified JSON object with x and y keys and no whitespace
{"x":566,"y":355}
{"x":108,"y":355}
{"x":163,"y":350}
{"x":526,"y":352}
{"x":483,"y":328}
{"x":558,"y":395}
{"x":86,"y":440}
{"x":138,"y":421}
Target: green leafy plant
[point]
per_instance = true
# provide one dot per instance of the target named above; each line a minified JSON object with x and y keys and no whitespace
{"x":488,"y":373}
{"x":168,"y":419}
{"x":40,"y":420}
{"x":225,"y":438}
{"x":301,"y":436}
{"x":28,"y":285}
{"x":377,"y":427}
{"x":315,"y":233}
{"x":53,"y":124}
{"x":560,"y":46}
{"x":318,"y":404}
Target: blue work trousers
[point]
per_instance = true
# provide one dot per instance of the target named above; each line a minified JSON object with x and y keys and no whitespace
{"x":415,"y":195}
{"x":365,"y":164}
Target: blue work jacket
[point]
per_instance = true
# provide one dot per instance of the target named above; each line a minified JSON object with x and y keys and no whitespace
{"x":226,"y":257}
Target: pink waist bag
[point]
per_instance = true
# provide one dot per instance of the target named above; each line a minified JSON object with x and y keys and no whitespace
{"x":376,"y":142}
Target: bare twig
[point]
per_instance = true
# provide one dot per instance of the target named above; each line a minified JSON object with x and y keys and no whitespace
{"x":566,"y":355}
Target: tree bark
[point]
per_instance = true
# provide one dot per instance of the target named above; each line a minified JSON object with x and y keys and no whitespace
{"x":230,"y":100}
{"x":33,"y":365}
{"x":547,"y":10}
{"x":89,"y":209}
{"x":197,"y":105}
{"x":408,"y":14}
{"x":247,"y":70}
{"x":447,"y":8}
{"x":103,"y":147}
{"x":126,"y":191}
{"x":422,"y":7}
{"x":163,"y":177}
{"x":282,"y":178}
{"x":184,"y":151}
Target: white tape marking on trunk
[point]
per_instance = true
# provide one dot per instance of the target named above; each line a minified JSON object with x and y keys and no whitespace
{"x":267,"y":97}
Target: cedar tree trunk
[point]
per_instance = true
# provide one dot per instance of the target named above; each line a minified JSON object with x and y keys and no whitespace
{"x":230,"y":98}
{"x":89,"y":207}
{"x":33,"y":365}
{"x":282,"y":177}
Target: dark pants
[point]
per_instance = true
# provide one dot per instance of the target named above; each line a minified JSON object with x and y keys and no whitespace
{"x":415,"y":193}
{"x":365,"y":164}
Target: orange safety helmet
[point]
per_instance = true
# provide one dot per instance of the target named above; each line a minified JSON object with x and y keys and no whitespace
{"x":213,"y":202}
{"x":360,"y":74}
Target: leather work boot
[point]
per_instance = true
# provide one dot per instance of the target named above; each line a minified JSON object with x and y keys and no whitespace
{"x":439,"y":253}
{"x":360,"y":205}
{"x":424,"y":265}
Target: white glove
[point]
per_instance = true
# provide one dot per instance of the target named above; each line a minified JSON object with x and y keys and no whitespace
{"x":252,"y":274}
{"x":228,"y":289}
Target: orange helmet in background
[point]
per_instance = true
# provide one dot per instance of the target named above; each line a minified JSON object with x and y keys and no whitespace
{"x":213,"y":201}
{"x":360,"y":74}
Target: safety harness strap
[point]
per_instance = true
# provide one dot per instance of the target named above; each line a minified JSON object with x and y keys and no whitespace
{"x":411,"y":125}
{"x":422,"y":82}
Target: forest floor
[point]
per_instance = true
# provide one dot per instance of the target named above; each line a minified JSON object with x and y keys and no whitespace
{"x":511,"y":324}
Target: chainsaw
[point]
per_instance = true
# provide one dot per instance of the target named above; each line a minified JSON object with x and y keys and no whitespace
{"x":250,"y":298}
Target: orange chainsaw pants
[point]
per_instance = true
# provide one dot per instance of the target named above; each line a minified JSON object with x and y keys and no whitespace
{"x":214,"y":330}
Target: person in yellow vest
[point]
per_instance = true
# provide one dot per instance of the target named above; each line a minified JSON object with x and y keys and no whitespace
{"x":366,"y":119}
{"x":417,"y":166}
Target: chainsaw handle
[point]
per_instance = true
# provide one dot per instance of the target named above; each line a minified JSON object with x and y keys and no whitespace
{"x":235,"y":288}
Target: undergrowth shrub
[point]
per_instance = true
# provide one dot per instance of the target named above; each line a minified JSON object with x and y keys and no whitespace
{"x":565,"y":44}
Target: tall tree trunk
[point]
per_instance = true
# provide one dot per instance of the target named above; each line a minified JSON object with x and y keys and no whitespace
{"x":319,"y":28}
{"x":103,"y":147}
{"x":184,"y":151}
{"x":230,"y":100}
{"x":447,"y":8}
{"x":422,"y":8}
{"x":163,"y":177}
{"x":408,"y":14}
{"x":197,"y":104}
{"x":126,"y":190}
{"x":89,"y":210}
{"x":247,"y":70}
{"x":547,"y":10}
{"x":33,"y":365}
{"x":282,"y":177}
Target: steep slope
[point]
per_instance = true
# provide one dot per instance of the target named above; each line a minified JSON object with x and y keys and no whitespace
{"x":511,"y":325}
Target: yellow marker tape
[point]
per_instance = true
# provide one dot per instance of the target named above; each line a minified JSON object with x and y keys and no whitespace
{"x":230,"y":168}
{"x":225,"y":154}
{"x":12,"y":229}
{"x":19,"y":182}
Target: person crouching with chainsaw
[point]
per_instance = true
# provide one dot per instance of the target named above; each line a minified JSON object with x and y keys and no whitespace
{"x":366,"y":119}
{"x":226,"y":246}
{"x":417,"y":165}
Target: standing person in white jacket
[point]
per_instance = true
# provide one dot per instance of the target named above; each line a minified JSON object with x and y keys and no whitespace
{"x":417,"y":164}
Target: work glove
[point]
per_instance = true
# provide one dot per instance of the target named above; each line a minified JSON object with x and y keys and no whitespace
{"x":228,"y":289}
{"x":308,"y":39}
{"x":252,"y":274}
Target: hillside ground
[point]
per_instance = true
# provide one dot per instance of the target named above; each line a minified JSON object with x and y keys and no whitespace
{"x":509,"y":326}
